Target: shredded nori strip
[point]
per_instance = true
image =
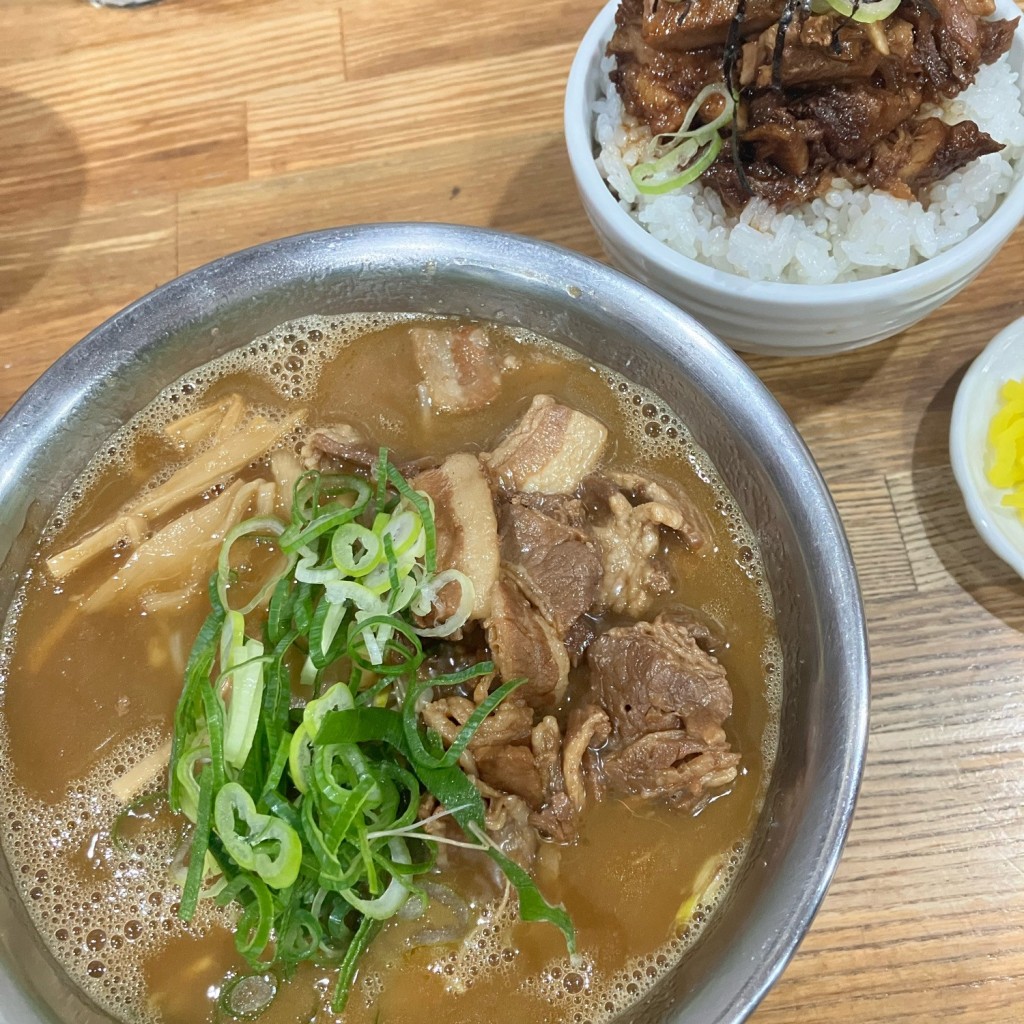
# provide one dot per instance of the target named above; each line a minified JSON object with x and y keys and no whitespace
{"x":780,"y":42}
{"x":732,"y":49}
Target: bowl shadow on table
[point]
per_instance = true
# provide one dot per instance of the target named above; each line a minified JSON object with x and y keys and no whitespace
{"x":945,"y":523}
{"x":813,"y":382}
{"x":539,"y":199}
{"x":42,"y":185}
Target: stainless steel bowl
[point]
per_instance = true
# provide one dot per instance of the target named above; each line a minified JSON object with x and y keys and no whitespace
{"x":48,"y":437}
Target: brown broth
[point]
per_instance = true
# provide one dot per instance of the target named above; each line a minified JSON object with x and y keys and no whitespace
{"x":84,"y":697}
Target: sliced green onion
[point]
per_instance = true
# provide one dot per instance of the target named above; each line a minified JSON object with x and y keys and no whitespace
{"x":864,"y":11}
{"x":243,"y":671}
{"x":256,"y":842}
{"x":197,"y":675}
{"x":185,"y":778}
{"x":355,"y":549}
{"x":429,"y":594}
{"x":368,"y":928}
{"x":403,"y":526}
{"x":532,"y":904}
{"x":300,"y":758}
{"x":391,"y":901}
{"x":257,"y":920}
{"x":705,"y":131}
{"x":304,"y":813}
{"x":424,"y":507}
{"x":200,"y":845}
{"x":308,"y":570}
{"x":337,"y":698}
{"x":261,"y":526}
{"x":376,"y":637}
{"x":678,"y":151}
{"x":645,"y":176}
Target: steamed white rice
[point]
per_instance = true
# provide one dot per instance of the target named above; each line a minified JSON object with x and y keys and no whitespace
{"x":846,"y":235}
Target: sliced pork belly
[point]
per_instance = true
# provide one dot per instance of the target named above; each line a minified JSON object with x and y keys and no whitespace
{"x":550,"y":450}
{"x":467,"y":529}
{"x":459,"y":365}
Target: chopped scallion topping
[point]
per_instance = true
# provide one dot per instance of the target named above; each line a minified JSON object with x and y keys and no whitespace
{"x":299,"y":754}
{"x":679,"y":158}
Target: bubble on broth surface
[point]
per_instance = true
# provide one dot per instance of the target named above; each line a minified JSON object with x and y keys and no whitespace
{"x":103,"y":926}
{"x":106,"y":927}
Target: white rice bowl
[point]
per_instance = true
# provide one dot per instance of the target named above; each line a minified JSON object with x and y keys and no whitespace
{"x":849,"y":234}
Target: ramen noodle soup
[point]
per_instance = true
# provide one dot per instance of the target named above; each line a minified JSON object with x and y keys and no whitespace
{"x":386,"y":666}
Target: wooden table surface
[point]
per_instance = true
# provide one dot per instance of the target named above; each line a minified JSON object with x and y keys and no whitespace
{"x":137,"y":144}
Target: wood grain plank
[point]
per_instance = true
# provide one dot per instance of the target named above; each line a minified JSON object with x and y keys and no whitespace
{"x":303,"y":126}
{"x":60,"y":281}
{"x":112,"y":85}
{"x":869,"y":519}
{"x":218,"y":220}
{"x":188,"y":147}
{"x":411,"y":34}
{"x":34,"y":30}
{"x":938,"y":535}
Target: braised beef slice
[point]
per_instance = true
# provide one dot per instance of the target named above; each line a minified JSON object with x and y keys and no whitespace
{"x":995,"y":38}
{"x":507,"y":819}
{"x":557,"y":819}
{"x":959,"y":42}
{"x":588,"y":728}
{"x":523,"y":643}
{"x":652,"y":676}
{"x":509,"y":755}
{"x":580,"y":636}
{"x":707,"y":634}
{"x":683,"y":516}
{"x":666,"y":700}
{"x":629,"y":513}
{"x":512,"y":769}
{"x":557,"y":566}
{"x":341,"y":447}
{"x":671,"y":766}
{"x":847,"y":120}
{"x":340,"y":442}
{"x":565,"y":509}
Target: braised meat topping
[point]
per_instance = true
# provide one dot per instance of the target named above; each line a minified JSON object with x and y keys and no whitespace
{"x":572,"y":566}
{"x":820,"y":95}
{"x":557,"y":566}
{"x":569,"y":559}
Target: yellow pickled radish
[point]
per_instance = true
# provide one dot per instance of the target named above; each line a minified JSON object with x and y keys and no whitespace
{"x":1005,"y":456}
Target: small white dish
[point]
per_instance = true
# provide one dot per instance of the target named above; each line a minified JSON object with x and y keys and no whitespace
{"x":977,"y":400}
